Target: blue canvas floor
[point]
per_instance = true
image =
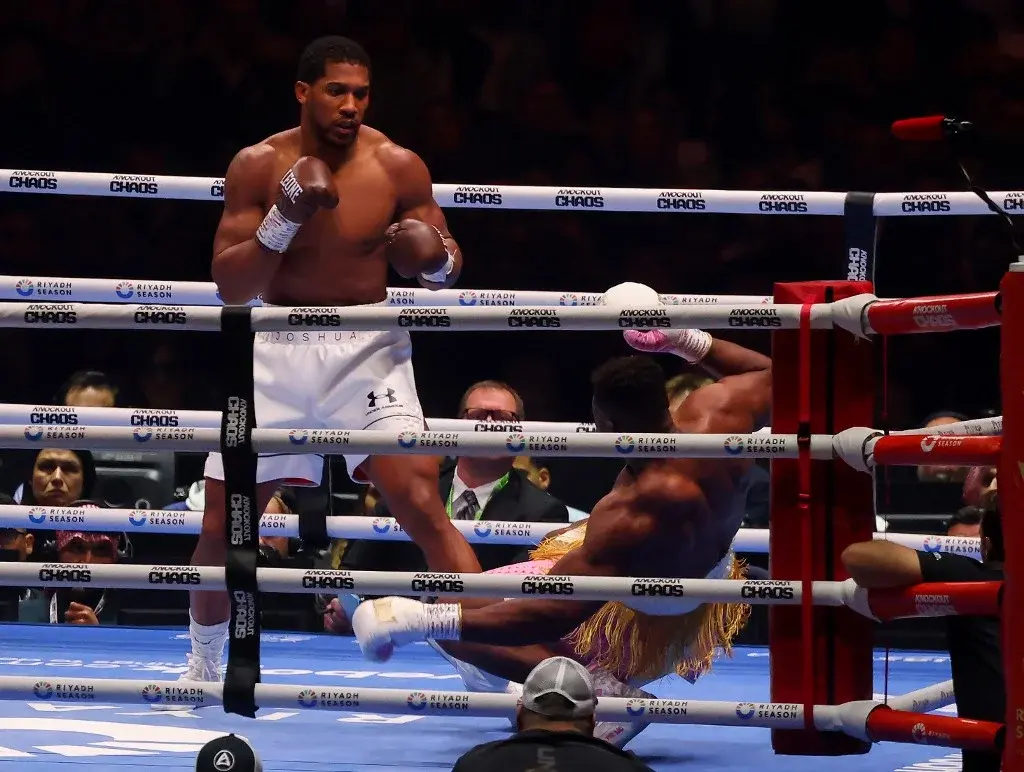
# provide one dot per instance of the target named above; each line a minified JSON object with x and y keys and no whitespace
{"x":49,"y":737}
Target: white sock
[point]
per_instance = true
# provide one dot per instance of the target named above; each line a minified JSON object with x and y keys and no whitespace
{"x":208,"y":640}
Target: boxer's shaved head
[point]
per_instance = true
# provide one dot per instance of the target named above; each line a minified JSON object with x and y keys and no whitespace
{"x":629,"y":395}
{"x":332,"y":49}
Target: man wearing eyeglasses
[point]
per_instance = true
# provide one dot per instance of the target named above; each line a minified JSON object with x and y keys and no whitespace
{"x":472,"y":488}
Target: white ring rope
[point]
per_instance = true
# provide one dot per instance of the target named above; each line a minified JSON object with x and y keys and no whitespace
{"x":538,"y":198}
{"x":134,"y":521}
{"x":925,"y":700}
{"x":295,"y":580}
{"x":189,"y":694}
{"x":341,"y":442}
{"x":327,"y":319}
{"x":60,"y":415}
{"x":197,"y":293}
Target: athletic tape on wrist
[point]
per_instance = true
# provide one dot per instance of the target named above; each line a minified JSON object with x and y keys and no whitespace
{"x":438,"y":276}
{"x":696,"y":346}
{"x":442,"y":273}
{"x":276,"y":231}
{"x":444,"y":621}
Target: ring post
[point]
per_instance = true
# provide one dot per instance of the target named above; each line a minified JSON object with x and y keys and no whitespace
{"x":835,"y":653}
{"x":1011,"y":495}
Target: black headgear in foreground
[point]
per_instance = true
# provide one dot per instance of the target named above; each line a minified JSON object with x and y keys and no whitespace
{"x":228,"y":754}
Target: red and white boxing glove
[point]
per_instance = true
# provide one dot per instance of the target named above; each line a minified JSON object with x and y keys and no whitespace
{"x":381,"y":625}
{"x":691,"y":345}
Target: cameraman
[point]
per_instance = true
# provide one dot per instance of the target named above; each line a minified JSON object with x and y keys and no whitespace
{"x":19,"y":604}
{"x":555,"y":719}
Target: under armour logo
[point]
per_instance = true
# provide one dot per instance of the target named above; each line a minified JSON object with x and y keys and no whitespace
{"x":223,"y":761}
{"x":389,"y":395}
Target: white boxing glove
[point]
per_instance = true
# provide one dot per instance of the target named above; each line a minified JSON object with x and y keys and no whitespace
{"x":381,"y":625}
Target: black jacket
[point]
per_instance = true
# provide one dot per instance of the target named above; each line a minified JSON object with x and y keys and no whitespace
{"x":519,"y":501}
{"x":538,"y":750}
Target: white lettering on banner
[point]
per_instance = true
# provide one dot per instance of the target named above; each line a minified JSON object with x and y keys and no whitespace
{"x":857,"y":270}
{"x":374,"y":718}
{"x":951,"y":763}
{"x":112,"y":738}
{"x":240,"y":530}
{"x":933,"y":315}
{"x":245,"y":621}
{"x":932,"y":441}
{"x":235,"y":420}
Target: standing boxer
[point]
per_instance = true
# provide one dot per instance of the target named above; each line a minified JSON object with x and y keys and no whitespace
{"x":312,"y":217}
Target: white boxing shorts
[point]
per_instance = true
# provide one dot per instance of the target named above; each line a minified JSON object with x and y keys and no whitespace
{"x":328,"y":380}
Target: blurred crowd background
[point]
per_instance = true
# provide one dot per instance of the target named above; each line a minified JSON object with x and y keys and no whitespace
{"x":733,"y":94}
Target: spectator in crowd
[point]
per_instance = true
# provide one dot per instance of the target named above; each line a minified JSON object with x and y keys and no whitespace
{"x":540,"y":476}
{"x":974,"y":642}
{"x":85,"y":605}
{"x":981,"y":487}
{"x":966,"y":522}
{"x":88,"y":388}
{"x":59,"y":477}
{"x":942,"y":472}
{"x":473,"y":488}
{"x":555,"y":723}
{"x":19,"y":604}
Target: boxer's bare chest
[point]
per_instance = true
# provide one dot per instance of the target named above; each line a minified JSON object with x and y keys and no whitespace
{"x":338,"y":255}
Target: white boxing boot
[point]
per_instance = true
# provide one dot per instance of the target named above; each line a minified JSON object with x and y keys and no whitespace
{"x":204,"y":662}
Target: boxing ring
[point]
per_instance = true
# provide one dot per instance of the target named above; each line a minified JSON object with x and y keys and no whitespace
{"x":817,"y":329}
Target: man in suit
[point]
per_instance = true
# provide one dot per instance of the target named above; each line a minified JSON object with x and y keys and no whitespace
{"x":471,"y":489}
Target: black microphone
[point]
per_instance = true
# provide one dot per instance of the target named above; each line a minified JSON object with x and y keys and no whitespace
{"x":960,"y":136}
